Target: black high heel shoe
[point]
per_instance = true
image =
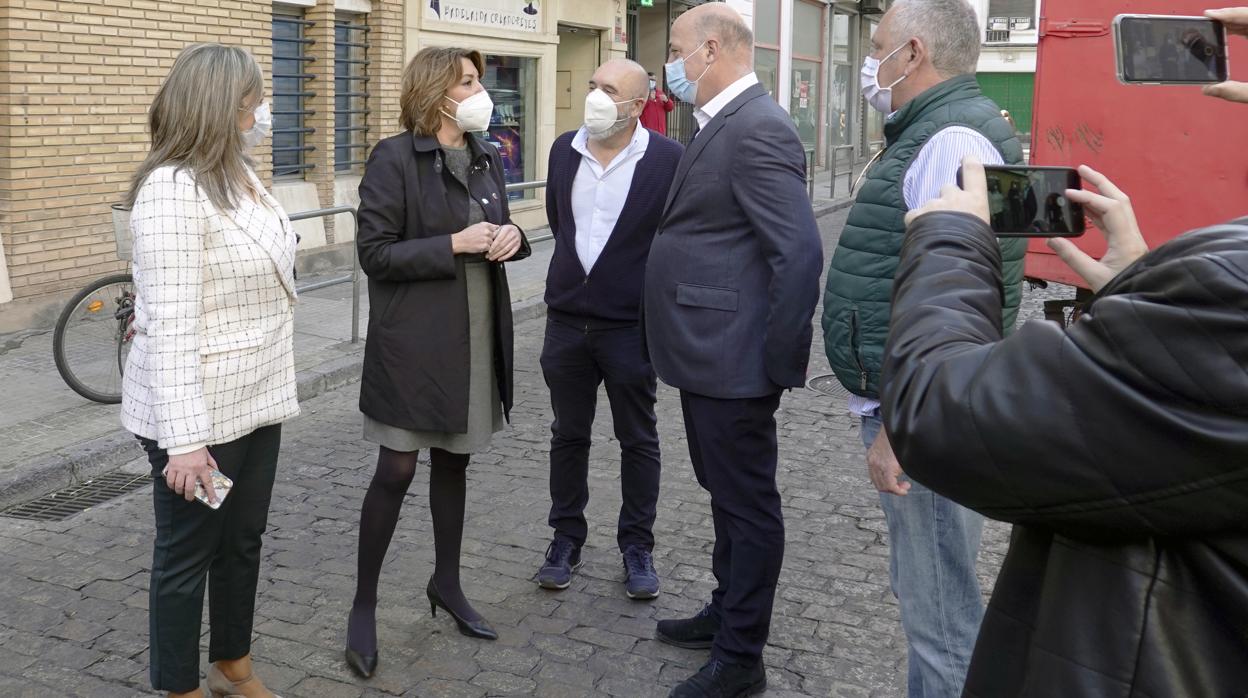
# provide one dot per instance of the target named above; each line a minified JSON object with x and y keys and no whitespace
{"x":477,"y":628}
{"x":362,"y":664}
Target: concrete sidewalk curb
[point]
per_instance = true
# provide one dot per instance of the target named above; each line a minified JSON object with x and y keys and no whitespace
{"x":87,"y":459}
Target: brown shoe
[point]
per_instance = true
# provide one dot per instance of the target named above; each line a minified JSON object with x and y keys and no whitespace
{"x":222,"y":687}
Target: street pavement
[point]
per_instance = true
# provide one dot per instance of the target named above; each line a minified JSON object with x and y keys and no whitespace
{"x":50,"y":437}
{"x":73,"y":594}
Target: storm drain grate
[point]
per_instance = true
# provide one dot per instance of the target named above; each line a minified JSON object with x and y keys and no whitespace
{"x":64,"y":503}
{"x":828,"y":385}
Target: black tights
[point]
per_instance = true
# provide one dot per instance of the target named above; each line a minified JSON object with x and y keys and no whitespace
{"x":380,"y":515}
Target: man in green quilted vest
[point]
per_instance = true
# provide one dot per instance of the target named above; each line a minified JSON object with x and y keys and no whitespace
{"x":921,"y":72}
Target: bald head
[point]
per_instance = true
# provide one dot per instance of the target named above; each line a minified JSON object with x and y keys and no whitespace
{"x":721,"y":23}
{"x":717,"y":46}
{"x":628,"y":85}
{"x":622,"y":79}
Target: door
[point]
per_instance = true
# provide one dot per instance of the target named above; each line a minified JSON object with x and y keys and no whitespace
{"x":1178,"y":154}
{"x":577,"y":58}
{"x":563,"y":89}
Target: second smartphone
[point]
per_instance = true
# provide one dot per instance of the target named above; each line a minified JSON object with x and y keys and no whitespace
{"x":1031,"y":201}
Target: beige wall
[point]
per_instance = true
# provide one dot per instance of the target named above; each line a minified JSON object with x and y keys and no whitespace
{"x":578,"y":56}
{"x":76,"y":80}
{"x":652,"y":40}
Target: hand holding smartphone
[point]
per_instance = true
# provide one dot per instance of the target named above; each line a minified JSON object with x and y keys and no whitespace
{"x":1170,"y":50}
{"x":1032,"y":202}
{"x":190,"y":468}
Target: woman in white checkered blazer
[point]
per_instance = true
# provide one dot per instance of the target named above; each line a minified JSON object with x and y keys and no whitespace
{"x":211,"y":375}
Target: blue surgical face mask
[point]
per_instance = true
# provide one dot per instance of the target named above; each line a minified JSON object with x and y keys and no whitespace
{"x":678,"y":83}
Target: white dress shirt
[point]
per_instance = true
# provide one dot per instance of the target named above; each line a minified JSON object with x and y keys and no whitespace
{"x":721,"y":100}
{"x":935,"y":166}
{"x":599,"y":191}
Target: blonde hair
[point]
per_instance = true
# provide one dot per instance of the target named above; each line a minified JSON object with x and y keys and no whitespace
{"x":426,"y":79}
{"x":193,"y":122}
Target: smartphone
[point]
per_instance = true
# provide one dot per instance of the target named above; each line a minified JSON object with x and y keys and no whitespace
{"x":1170,"y":50}
{"x":1031,"y":201}
{"x":220,"y":483}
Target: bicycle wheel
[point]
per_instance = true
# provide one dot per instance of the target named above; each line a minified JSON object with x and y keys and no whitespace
{"x":92,"y":338}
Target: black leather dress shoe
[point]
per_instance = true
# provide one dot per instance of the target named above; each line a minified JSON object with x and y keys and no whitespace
{"x":723,"y":680}
{"x":362,"y":664}
{"x":696,"y":633}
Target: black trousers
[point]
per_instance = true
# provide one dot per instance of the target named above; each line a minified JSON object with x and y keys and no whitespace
{"x":194,"y":543}
{"x":732,"y":444}
{"x":575,"y":362}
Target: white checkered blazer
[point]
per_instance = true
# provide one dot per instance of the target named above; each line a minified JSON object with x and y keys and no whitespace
{"x":213,"y":353}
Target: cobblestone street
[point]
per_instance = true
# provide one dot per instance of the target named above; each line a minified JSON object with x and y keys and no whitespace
{"x":73,"y":594}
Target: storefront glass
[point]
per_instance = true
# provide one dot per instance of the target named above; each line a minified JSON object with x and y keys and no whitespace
{"x":843,"y":75}
{"x":766,"y":66}
{"x":767,"y":22}
{"x":804,"y":101}
{"x":512,"y":83}
{"x":805,"y":94}
{"x":767,"y":45}
{"x":873,"y":135}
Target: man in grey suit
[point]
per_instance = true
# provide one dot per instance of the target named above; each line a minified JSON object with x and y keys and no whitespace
{"x":731,"y":285}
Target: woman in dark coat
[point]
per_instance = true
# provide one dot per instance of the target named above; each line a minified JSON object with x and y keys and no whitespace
{"x":434,"y":229}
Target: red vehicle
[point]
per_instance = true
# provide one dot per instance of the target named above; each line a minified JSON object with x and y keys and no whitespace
{"x":1182,"y":157}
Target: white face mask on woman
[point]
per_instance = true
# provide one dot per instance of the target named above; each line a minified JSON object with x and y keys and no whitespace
{"x":473,"y":114}
{"x":260,"y":130}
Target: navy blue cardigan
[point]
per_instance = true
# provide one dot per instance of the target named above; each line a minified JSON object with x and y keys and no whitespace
{"x":611,"y":294}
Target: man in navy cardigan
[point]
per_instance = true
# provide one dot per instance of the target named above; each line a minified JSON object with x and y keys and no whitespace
{"x":607,"y":183}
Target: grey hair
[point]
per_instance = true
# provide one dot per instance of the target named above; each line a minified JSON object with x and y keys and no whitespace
{"x":948,"y":28}
{"x":727,"y":26}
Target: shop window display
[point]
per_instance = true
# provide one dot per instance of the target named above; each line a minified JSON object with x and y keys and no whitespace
{"x":512,"y":83}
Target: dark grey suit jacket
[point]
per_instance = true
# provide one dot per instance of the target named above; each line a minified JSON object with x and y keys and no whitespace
{"x":733,"y":275}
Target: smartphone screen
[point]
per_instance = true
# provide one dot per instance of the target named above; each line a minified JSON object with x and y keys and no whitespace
{"x":1031,"y":201}
{"x":1158,"y":50}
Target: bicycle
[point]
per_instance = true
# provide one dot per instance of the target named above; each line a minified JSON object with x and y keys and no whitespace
{"x":94,"y":332}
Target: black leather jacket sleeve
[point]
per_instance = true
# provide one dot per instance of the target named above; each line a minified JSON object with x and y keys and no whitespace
{"x":1130,"y":423}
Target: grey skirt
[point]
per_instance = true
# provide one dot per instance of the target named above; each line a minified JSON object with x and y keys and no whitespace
{"x":485,"y":409}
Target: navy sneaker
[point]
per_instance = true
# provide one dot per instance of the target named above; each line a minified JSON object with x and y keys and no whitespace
{"x":563,"y":558}
{"x":641,"y":581}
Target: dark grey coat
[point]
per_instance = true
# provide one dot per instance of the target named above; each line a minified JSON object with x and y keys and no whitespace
{"x":416,"y":356}
{"x":733,"y":275}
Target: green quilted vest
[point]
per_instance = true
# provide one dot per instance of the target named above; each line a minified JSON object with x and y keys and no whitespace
{"x":857,"y":298}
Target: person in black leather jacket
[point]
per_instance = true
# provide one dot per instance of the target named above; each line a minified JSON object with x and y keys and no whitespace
{"x":1118,"y":447}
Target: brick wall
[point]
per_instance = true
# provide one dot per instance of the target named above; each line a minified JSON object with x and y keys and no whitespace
{"x":385,"y":70}
{"x":76,"y":80}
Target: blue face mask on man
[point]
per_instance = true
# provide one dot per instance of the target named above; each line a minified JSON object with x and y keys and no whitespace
{"x":678,"y":83}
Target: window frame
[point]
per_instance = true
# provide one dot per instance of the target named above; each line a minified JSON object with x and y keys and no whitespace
{"x":303,"y":164}
{"x":356,"y":26}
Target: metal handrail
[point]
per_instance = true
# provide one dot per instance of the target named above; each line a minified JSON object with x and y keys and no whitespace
{"x":353,"y":277}
{"x":522,"y":186}
{"x":834,"y":166}
{"x":525,"y":186}
{"x":810,"y":173}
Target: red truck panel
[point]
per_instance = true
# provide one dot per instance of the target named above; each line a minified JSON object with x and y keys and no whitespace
{"x":1181,"y":156}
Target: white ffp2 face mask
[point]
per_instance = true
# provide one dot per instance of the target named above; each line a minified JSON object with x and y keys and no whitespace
{"x":880,"y":98}
{"x":473,"y":114}
{"x":260,"y":130}
{"x":602,"y":115}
